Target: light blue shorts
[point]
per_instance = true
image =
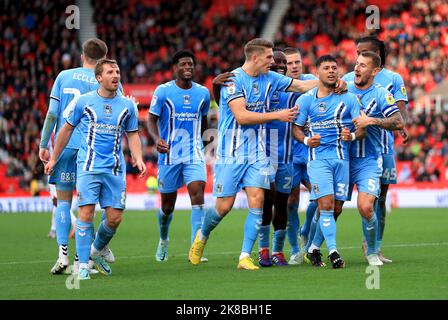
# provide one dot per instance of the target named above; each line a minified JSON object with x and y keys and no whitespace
{"x":229,"y":178}
{"x":300,"y":174}
{"x":389,"y":175}
{"x":365,"y":173}
{"x":107,"y":189}
{"x":329,"y":176}
{"x":173,"y":176}
{"x":64,"y":172}
{"x":282,"y":177}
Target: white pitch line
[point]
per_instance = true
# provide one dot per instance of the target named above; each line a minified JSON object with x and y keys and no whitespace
{"x":402,"y":245}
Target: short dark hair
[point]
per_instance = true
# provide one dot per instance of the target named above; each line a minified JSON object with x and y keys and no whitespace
{"x":376,"y":59}
{"x":94,"y":49}
{"x":182,"y":54}
{"x":379,"y":45}
{"x":325,"y":58}
{"x":257,"y":45}
{"x":291,"y":50}
{"x":100,"y":63}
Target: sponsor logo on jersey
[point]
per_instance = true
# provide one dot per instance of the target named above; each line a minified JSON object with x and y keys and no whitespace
{"x":403,"y":91}
{"x":390,"y":98}
{"x":153,"y":101}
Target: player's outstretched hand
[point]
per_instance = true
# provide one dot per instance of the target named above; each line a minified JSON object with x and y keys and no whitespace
{"x":405,"y":135}
{"x":341,"y":86}
{"x":223,"y":79}
{"x":44,"y":155}
{"x":162,"y":146}
{"x":314,"y":141}
{"x":140,"y":166}
{"x":361,"y":121}
{"x":288,"y":115}
{"x":345,"y":134}
{"x":49,"y":167}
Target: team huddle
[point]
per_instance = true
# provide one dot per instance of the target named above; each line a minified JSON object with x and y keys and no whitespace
{"x":277,"y":129}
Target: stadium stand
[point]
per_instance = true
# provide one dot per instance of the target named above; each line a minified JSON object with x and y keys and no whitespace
{"x":141,"y":36}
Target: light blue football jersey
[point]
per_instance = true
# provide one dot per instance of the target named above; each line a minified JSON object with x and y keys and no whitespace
{"x":376,"y":102}
{"x":300,"y":151}
{"x":68,"y":85}
{"x":278,"y":133}
{"x":102,"y":122}
{"x":393,"y":83}
{"x":180,"y":113}
{"x":327,"y":117}
{"x":246,"y":142}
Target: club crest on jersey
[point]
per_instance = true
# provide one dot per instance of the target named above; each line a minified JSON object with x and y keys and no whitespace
{"x":79,"y":196}
{"x":219,"y":188}
{"x":316,"y":189}
{"x":390,"y":98}
{"x":322,"y":107}
{"x":187,"y":99}
{"x":107,"y":110}
{"x":161,"y":183}
{"x":255,"y":88}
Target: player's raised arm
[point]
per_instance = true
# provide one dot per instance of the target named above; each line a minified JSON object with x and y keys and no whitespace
{"x":246,"y":117}
{"x":302,"y":85}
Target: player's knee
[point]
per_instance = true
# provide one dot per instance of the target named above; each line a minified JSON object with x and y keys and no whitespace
{"x":167,"y":208}
{"x":197,"y":198}
{"x":223,"y":209}
{"x":114,"y":221}
{"x":326,"y":204}
{"x":365,"y":209}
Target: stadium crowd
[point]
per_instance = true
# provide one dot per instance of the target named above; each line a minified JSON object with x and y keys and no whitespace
{"x":35,"y":46}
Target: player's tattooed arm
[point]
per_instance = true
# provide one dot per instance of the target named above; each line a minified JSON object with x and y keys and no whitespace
{"x":360,"y":133}
{"x":404,"y":113}
{"x":394,"y":122}
{"x":298,"y":133}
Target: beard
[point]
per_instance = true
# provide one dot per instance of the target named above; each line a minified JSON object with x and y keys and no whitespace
{"x":329,"y":85}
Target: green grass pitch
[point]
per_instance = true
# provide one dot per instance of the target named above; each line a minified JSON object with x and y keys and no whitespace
{"x":416,"y":239}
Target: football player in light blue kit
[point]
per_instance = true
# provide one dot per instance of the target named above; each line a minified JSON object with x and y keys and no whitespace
{"x":179,"y":112}
{"x":102,"y":116}
{"x":393,"y":82}
{"x":279,"y":153}
{"x":300,"y":160}
{"x":241,"y":153}
{"x":68,"y":85}
{"x":378,"y":111}
{"x":327,"y":115}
